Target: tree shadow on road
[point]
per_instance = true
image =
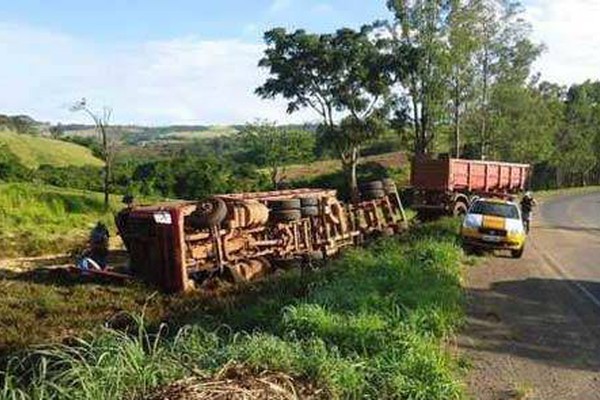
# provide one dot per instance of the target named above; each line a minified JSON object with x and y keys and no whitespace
{"x":540,"y":319}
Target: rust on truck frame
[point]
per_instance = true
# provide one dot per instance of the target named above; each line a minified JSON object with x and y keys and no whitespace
{"x":178,"y":245}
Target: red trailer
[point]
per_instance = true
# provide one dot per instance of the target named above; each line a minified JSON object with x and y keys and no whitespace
{"x":449,"y":186}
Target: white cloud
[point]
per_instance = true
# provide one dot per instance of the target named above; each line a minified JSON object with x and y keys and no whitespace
{"x":185,"y":80}
{"x":278,"y":6}
{"x":570,"y":31}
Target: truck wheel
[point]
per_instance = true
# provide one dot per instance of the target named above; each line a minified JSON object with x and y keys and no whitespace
{"x":373,"y":185}
{"x":209,"y":212}
{"x":309,"y":202}
{"x":286,"y":215}
{"x":517,"y":253}
{"x":311,"y":211}
{"x":460,"y":209}
{"x":287,"y":204}
{"x":374,"y":194}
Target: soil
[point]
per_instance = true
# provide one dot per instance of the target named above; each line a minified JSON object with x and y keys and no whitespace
{"x":533,"y":327}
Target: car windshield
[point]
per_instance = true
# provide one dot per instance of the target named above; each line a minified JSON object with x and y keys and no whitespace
{"x":495,"y":209}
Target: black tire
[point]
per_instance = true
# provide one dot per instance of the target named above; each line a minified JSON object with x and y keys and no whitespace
{"x":209,"y":212}
{"x":369,"y":186}
{"x":373,"y":194}
{"x":460,"y":209}
{"x":517,"y":253}
{"x":286,"y":215}
{"x":311,"y":211}
{"x":287,"y":204}
{"x":309,"y":202}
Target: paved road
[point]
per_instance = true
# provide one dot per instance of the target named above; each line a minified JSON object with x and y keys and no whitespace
{"x":533,"y":326}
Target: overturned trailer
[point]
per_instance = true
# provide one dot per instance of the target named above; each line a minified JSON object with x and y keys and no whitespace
{"x":179,"y":245}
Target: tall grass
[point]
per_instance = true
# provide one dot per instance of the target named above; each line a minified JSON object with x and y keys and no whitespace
{"x":371,"y":325}
{"x":37,"y":219}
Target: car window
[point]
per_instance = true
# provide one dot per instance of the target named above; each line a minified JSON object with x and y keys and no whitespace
{"x":495,"y":209}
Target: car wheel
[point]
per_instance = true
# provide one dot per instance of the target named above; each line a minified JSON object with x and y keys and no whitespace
{"x":517,"y":253}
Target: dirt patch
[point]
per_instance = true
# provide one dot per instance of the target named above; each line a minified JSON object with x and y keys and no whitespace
{"x":239,"y":383}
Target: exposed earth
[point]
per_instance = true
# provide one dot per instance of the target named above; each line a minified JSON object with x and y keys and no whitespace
{"x":533,"y":329}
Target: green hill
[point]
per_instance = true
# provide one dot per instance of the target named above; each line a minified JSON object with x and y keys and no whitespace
{"x":39,"y":219}
{"x":33,"y":151}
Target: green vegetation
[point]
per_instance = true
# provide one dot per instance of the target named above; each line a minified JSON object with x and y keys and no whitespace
{"x":370,"y":325}
{"x":36,"y":219}
{"x":33,"y":151}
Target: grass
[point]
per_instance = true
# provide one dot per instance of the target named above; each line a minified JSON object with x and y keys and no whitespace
{"x":33,"y":151}
{"x":545,"y":194}
{"x":37,"y":219}
{"x":371,"y":325}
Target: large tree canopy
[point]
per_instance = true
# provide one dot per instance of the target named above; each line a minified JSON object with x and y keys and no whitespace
{"x":340,"y":76}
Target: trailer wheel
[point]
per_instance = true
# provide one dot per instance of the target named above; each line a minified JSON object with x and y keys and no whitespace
{"x":287,"y":204}
{"x":209,"y":212}
{"x":309,"y":202}
{"x":460,"y":209}
{"x":373,"y":185}
{"x":374,"y":194}
{"x":286,"y":215}
{"x":311,"y":211}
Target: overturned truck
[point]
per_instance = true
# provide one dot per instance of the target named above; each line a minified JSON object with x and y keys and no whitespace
{"x":178,"y":246}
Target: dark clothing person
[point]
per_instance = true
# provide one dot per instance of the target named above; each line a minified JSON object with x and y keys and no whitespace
{"x":98,"y":245}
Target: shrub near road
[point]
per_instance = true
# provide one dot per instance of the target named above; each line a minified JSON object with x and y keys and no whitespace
{"x":370,"y":325}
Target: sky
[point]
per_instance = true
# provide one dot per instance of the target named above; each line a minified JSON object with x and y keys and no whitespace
{"x":195,"y":62}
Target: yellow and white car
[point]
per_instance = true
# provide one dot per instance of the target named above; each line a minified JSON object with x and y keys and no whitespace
{"x":494,"y":224}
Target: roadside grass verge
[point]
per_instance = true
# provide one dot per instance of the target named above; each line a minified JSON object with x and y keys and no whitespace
{"x":372,"y":324}
{"x":38,"y":219}
{"x":547,"y":194}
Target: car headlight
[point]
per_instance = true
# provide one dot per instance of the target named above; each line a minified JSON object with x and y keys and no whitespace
{"x":472,"y":221}
{"x":515,"y":231}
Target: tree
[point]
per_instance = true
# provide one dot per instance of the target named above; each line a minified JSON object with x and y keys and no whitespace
{"x":464,"y":41}
{"x":339,"y":76}
{"x":417,"y":44}
{"x":269,"y":145}
{"x":103,"y":128}
{"x":504,"y":59}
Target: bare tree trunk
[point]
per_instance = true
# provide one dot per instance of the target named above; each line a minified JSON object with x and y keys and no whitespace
{"x":483,"y":133}
{"x":457,"y":119}
{"x":107,"y":165}
{"x":350,"y":164}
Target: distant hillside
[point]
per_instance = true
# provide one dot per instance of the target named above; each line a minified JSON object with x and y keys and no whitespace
{"x":34,"y":151}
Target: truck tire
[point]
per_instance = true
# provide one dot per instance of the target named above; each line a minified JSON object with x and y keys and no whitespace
{"x":374,"y":194}
{"x":460,"y":209}
{"x":369,"y":186}
{"x":309,"y":202}
{"x":209,"y":212}
{"x":286,"y":215}
{"x":310,"y":211}
{"x":286,"y":204}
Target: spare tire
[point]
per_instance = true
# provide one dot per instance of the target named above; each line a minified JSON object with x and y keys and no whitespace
{"x":286,"y":204}
{"x":373,"y":185}
{"x":209,"y":212}
{"x":373,"y":194}
{"x":309,"y":201}
{"x":311,"y":211}
{"x":285,"y":215}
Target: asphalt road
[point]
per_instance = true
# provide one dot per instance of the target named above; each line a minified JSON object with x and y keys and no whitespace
{"x":533,"y":326}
